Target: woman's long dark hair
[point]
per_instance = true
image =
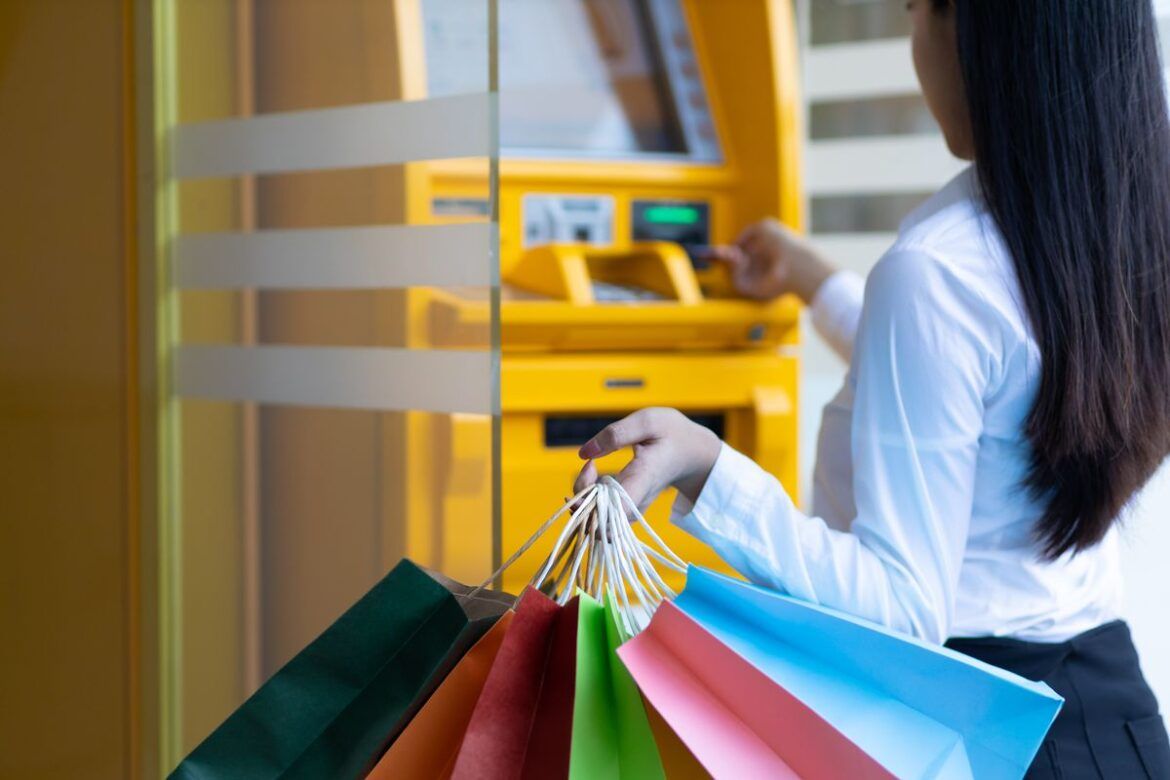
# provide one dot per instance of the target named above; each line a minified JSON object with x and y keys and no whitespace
{"x":1072,"y":150}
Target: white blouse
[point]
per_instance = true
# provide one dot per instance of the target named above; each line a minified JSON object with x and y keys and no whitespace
{"x":919,"y":519}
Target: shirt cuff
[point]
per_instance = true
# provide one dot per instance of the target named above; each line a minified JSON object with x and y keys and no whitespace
{"x":734,"y":489}
{"x":836,"y":310}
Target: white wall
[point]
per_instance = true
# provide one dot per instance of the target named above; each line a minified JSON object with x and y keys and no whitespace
{"x":1147,"y":582}
{"x":857,"y":156}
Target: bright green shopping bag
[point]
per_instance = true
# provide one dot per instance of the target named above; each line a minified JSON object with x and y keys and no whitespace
{"x":612,"y":739}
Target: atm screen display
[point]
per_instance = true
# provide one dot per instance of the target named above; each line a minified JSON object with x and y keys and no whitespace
{"x":687,"y":223}
{"x":579,"y":78}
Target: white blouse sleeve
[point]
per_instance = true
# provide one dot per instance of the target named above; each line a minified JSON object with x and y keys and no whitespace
{"x":836,"y":310}
{"x":923,"y":362}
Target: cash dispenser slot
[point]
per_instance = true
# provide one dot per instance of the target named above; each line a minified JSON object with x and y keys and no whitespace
{"x":575,"y":430}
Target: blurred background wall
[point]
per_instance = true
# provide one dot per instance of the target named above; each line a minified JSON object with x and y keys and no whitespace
{"x":68,"y":493}
{"x":874,"y":152}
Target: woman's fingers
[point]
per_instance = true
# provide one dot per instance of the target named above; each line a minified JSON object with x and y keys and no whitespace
{"x":653,"y":467}
{"x":640,"y":482}
{"x":627,"y":432}
{"x":750,"y":235}
{"x":587,"y":477}
{"x":631,"y":478}
{"x":731,"y":256}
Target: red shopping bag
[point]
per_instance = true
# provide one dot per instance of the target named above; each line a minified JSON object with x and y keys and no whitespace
{"x":522,"y":725}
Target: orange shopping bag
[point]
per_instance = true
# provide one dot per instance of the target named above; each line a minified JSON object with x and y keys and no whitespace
{"x":678,"y":761}
{"x":430,"y":743}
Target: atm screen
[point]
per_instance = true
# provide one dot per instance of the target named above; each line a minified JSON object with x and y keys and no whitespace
{"x":579,"y":78}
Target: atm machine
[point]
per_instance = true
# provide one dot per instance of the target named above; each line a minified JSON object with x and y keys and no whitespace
{"x":633,"y":133}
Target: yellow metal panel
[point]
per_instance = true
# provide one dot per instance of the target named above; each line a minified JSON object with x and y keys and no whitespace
{"x":755,"y":392}
{"x":464,"y":492}
{"x":615,"y":381}
{"x":556,"y":325}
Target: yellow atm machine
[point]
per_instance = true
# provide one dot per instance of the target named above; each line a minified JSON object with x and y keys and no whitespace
{"x":633,"y":133}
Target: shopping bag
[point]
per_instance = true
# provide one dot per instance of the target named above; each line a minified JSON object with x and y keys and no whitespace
{"x":522,"y":724}
{"x":332,"y":709}
{"x":427,"y":747}
{"x":917,"y":709}
{"x":736,"y":721}
{"x":611,"y":732}
{"x":678,"y":762}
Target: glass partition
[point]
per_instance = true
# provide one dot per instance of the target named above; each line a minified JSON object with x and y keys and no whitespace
{"x":314,"y":431}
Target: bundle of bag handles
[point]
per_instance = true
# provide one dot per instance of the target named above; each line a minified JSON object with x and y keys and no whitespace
{"x":598,"y":552}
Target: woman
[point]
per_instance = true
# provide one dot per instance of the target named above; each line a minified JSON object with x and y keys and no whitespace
{"x":1009,"y":382}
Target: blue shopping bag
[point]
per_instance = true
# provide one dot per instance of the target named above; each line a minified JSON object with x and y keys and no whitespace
{"x":920,"y":710}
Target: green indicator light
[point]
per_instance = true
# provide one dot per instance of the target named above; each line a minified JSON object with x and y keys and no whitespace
{"x":671,"y":215}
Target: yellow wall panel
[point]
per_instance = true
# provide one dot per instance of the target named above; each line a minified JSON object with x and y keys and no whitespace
{"x":65,"y":433}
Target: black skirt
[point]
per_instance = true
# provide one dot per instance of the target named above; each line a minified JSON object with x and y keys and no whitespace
{"x":1109,"y":726}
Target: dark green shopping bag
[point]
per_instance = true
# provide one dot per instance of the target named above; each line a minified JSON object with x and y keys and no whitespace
{"x":333,"y":709}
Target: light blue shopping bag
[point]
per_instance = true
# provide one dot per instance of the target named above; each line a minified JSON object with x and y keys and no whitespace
{"x":920,"y":710}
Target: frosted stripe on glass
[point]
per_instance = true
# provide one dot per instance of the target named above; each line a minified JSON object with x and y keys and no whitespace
{"x":860,"y":70}
{"x":346,"y":137}
{"x":879,"y":164}
{"x":857,"y":252}
{"x":383,"y":256}
{"x":380,"y":379}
